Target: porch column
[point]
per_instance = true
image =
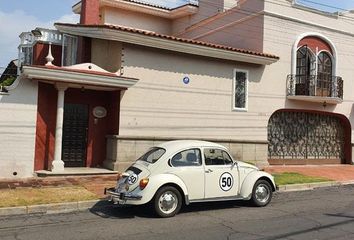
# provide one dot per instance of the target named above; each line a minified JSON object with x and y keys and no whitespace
{"x":58,"y":164}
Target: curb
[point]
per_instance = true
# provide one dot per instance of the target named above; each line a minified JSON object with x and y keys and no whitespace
{"x":311,"y":186}
{"x":53,"y":208}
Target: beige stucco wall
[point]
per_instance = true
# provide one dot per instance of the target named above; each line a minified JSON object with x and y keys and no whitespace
{"x":160,"y":104}
{"x":279,"y":37}
{"x":18,"y":115}
{"x":106,"y":54}
{"x":131,"y":19}
{"x":239,"y":29}
{"x":206,"y":9}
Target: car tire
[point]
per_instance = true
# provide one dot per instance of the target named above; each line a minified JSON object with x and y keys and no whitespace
{"x":262,"y":193}
{"x":167,"y":202}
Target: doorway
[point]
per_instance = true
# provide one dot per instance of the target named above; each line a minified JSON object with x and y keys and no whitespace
{"x":75,"y":133}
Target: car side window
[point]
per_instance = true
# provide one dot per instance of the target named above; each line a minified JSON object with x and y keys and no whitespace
{"x":216,"y":157}
{"x":190,"y":157}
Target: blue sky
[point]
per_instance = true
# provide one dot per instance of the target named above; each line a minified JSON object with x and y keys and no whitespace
{"x":17,"y":16}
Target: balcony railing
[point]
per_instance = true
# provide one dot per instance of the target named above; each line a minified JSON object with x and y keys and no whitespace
{"x":321,"y":86}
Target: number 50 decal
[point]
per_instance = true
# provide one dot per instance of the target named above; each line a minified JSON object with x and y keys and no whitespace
{"x":226,"y":181}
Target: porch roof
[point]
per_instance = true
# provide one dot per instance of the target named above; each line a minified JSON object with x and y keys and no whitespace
{"x":167,"y":42}
{"x":77,"y":77}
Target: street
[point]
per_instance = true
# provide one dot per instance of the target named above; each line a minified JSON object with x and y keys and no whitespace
{"x":326,"y":213}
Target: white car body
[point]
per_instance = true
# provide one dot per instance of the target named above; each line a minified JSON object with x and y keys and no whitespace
{"x":197,"y":178}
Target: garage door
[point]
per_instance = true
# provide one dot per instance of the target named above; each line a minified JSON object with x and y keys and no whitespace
{"x":305,"y":138}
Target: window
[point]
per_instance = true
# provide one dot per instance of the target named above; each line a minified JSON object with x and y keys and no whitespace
{"x":152,"y":155}
{"x":240,"y":89}
{"x":305,"y":69}
{"x":324,"y":72}
{"x":216,"y":157}
{"x":69,"y":50}
{"x":190,"y":157}
{"x":313,"y":67}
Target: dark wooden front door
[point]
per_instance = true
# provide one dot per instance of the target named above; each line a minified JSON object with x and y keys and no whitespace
{"x":74,"y":146}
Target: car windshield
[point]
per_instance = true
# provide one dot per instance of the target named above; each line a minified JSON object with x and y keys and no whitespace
{"x":152,"y":155}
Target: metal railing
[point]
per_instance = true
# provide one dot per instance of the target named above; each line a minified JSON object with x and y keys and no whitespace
{"x":315,"y":85}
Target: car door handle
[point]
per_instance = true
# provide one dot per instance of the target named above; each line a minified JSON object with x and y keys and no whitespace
{"x":208,"y":171}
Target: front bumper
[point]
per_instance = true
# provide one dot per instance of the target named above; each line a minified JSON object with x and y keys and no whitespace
{"x":120,"y":197}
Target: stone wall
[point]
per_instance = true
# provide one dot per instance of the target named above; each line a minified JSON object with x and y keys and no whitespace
{"x":122,"y":151}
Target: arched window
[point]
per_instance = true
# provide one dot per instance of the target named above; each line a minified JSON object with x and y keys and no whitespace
{"x":324,"y":75}
{"x":305,"y":68}
{"x":314,"y":67}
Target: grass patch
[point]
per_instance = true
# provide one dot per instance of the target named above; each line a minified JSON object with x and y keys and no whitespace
{"x":296,"y":178}
{"x":34,"y":196}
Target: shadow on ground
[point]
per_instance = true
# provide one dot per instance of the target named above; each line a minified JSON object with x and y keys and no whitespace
{"x":106,"y":209}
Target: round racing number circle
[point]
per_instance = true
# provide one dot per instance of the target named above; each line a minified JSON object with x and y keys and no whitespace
{"x":226,"y":181}
{"x":132,"y":179}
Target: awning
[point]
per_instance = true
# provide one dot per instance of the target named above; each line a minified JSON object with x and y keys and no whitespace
{"x":78,"y":77}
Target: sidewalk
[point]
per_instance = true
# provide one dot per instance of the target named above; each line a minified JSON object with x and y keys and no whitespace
{"x":94,"y":184}
{"x":340,"y":174}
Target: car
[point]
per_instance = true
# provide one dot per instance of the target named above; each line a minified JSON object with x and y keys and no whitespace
{"x":189,"y":171}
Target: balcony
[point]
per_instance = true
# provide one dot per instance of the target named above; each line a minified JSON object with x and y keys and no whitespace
{"x":315,"y":88}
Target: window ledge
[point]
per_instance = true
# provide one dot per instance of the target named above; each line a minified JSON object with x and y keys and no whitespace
{"x":240,"y":110}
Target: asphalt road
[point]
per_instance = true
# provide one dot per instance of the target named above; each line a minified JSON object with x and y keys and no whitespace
{"x":326,"y":213}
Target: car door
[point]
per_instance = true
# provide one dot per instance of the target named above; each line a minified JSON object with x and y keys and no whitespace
{"x":221,"y":175}
{"x":187,"y":165}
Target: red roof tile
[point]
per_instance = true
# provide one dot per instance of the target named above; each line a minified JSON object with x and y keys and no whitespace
{"x":172,"y":38}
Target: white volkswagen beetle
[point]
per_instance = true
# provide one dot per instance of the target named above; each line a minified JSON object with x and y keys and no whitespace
{"x":184,"y":172}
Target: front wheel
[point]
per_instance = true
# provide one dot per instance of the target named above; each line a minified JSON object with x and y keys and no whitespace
{"x":167,"y":202}
{"x":262,"y":193}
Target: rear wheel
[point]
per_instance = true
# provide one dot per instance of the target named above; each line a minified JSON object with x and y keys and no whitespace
{"x":262,"y":193}
{"x":167,"y":201}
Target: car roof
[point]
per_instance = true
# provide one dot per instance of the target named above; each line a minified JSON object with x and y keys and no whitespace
{"x":181,"y":144}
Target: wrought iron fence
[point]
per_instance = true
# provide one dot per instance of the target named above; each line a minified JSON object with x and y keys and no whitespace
{"x":315,"y":85}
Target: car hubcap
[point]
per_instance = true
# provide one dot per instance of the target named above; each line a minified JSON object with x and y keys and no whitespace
{"x":168,"y":202}
{"x":262,"y":193}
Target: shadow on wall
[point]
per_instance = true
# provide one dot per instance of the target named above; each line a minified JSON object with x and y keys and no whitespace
{"x":140,"y":57}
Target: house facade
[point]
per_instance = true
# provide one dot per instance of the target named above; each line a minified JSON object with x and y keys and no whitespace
{"x":268,"y":79}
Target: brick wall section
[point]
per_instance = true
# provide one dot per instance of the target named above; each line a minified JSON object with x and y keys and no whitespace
{"x":90,"y":12}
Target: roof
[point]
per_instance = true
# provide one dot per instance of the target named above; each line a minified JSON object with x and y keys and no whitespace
{"x":182,"y":144}
{"x":142,"y":5}
{"x":168,"y":37}
{"x":160,"y":6}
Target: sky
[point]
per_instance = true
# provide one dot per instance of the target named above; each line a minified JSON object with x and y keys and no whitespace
{"x":18,"y":16}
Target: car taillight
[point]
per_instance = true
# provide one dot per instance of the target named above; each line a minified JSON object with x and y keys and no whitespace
{"x":143,"y":182}
{"x":119,"y":176}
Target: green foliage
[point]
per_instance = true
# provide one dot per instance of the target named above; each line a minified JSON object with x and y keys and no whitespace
{"x":8,"y":81}
{"x":296,"y":178}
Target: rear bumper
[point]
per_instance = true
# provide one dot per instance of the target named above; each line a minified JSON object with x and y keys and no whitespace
{"x":120,"y":197}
